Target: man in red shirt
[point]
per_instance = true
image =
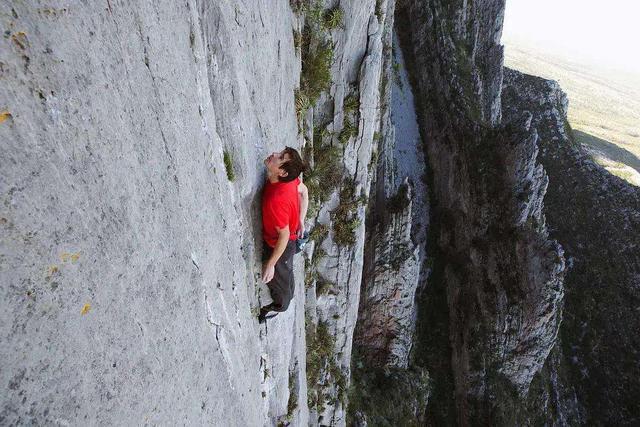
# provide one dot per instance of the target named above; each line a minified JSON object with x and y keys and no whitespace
{"x":284,"y":208}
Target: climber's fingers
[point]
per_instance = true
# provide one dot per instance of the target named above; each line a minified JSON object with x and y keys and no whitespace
{"x":267,"y":273}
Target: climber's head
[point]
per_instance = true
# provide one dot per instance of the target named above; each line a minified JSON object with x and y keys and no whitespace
{"x":286,"y":165}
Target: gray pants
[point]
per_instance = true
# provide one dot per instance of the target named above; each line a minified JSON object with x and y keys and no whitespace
{"x":282,"y":285}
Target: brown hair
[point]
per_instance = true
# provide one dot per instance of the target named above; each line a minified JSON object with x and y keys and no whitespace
{"x":294,"y":166}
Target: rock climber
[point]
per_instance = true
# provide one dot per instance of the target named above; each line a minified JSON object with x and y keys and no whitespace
{"x":284,"y":207}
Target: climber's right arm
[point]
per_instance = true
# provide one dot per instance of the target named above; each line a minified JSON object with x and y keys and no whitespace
{"x":303,"y":199}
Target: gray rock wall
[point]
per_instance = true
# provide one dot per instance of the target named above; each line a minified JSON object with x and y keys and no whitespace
{"x":387,"y":311}
{"x":129,"y":260}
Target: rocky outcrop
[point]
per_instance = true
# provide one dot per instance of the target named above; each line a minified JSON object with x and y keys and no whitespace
{"x":502,"y":273}
{"x":596,"y":217}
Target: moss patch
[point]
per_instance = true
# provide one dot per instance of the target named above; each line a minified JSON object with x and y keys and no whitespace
{"x":228,"y":165}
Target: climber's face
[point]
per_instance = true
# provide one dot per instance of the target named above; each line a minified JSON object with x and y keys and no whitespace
{"x":274,"y":161}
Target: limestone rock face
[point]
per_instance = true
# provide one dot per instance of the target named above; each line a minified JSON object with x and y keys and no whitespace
{"x":387,"y":309}
{"x":502,"y":273}
{"x":395,"y":253}
{"x":337,"y":261}
{"x":596,"y":217}
{"x":130,"y":261}
{"x":130,"y":218}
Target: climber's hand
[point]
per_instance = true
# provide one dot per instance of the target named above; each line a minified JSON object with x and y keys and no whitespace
{"x":301,"y":231}
{"x":267,"y":273}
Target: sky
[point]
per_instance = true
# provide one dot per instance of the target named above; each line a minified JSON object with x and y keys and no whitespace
{"x":594,"y":31}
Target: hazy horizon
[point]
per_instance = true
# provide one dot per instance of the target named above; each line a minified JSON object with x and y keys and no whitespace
{"x":583,"y":31}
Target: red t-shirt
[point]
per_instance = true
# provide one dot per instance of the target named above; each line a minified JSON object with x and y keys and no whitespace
{"x":280,"y":207}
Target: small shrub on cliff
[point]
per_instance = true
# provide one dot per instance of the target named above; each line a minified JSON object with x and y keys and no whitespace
{"x":324,"y":177}
{"x":349,"y":130}
{"x":297,"y":6}
{"x":297,"y":40}
{"x":333,"y":18}
{"x":314,"y":13}
{"x":339,"y":379}
{"x":344,"y":217}
{"x":325,"y":287}
{"x":316,"y":69}
{"x":292,"y":404}
{"x":321,"y":135}
{"x":399,"y":201}
{"x":309,"y":278}
{"x":320,"y":349}
{"x":318,"y":233}
{"x":388,"y":396}
{"x":351,"y":104}
{"x":379,"y":12}
{"x":396,"y":74}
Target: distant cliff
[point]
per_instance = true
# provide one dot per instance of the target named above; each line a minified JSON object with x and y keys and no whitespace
{"x":596,"y":216}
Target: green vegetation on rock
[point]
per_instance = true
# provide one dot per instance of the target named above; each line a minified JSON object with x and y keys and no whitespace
{"x":316,"y":70}
{"x":228,"y":165}
{"x":344,"y":216}
{"x":322,"y":368}
{"x":333,"y":18}
{"x":324,"y":177}
{"x":388,"y":397}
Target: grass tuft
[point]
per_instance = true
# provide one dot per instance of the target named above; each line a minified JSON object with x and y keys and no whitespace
{"x":333,"y":18}
{"x":349,"y":130}
{"x":351,"y":104}
{"x":302,"y":103}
